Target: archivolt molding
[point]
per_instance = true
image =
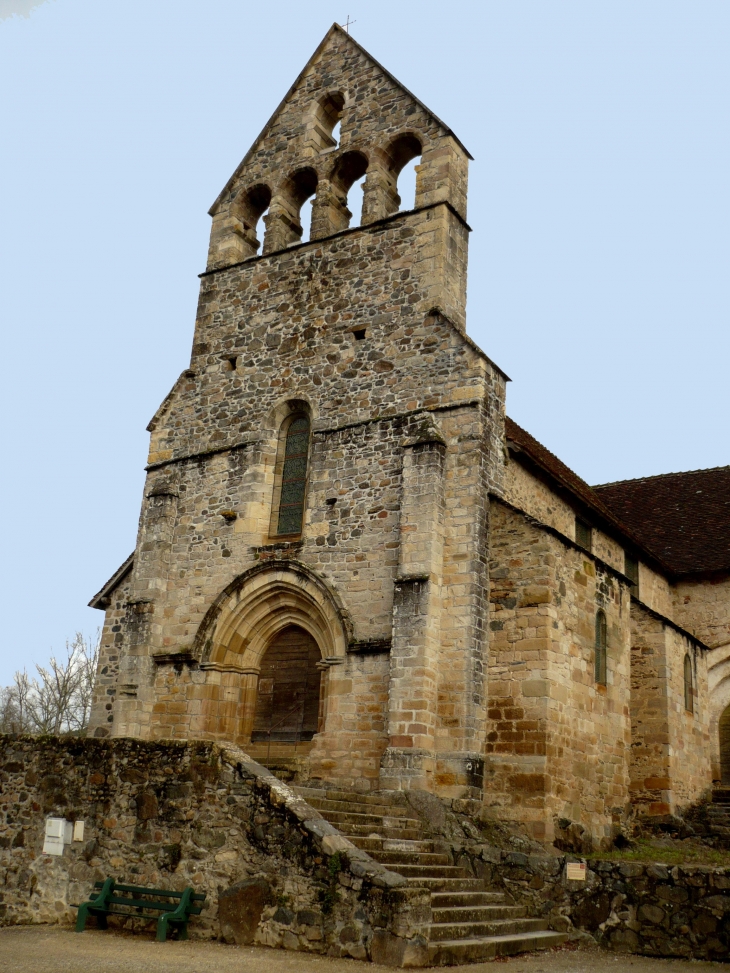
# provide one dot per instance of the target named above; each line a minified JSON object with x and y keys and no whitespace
{"x":258,"y":605}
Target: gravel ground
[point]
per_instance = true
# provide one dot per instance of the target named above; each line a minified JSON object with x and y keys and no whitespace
{"x":51,"y":949}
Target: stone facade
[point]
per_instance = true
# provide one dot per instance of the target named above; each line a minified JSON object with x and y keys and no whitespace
{"x":440,"y":562}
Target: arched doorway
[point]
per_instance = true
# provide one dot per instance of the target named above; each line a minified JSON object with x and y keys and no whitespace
{"x":288,"y":696}
{"x":724,"y":731}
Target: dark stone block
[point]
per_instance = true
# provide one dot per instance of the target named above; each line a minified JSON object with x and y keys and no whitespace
{"x":240,"y":908}
{"x":592,"y":911}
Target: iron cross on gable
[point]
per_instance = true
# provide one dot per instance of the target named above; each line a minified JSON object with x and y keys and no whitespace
{"x":348,"y":24}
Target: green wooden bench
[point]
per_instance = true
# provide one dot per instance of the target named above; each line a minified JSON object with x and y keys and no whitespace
{"x":135,"y":902}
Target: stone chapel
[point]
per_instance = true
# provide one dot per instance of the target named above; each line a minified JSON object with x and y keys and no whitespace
{"x":349,"y":558}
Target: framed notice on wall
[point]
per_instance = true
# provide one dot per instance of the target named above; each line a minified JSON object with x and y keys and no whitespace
{"x":575,"y":871}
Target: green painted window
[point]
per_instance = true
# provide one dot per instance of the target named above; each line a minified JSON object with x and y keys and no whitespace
{"x":294,"y":477}
{"x":631,"y":570}
{"x":689,"y":700}
{"x":583,"y":534}
{"x":600,"y":648}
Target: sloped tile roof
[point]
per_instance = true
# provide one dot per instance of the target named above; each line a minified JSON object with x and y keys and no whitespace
{"x":562,"y":477}
{"x":683,"y":518}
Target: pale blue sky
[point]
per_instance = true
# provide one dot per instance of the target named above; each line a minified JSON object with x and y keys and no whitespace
{"x":599,"y":201}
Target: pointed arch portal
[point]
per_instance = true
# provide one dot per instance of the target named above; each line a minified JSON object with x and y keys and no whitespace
{"x":276,"y":631}
{"x":288,"y":692}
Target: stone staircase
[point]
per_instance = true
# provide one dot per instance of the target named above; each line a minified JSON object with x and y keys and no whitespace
{"x":287,"y":761}
{"x":716,"y":817}
{"x":470,"y":922}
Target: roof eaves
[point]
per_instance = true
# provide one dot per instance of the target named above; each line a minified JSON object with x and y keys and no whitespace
{"x":102,"y":597}
{"x":588,"y":500}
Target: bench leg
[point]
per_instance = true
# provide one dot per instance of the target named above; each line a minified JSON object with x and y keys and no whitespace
{"x":183,"y":930}
{"x":162,"y":929}
{"x":82,"y":917}
{"x":85,"y":911}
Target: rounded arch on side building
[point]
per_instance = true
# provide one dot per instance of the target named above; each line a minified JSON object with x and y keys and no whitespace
{"x":718,"y":672}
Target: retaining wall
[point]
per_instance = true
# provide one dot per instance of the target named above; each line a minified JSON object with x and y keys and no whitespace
{"x":171,"y":814}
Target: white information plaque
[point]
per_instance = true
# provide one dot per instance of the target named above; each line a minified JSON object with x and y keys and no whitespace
{"x":576,"y":871}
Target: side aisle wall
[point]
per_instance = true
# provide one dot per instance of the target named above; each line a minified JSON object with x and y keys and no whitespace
{"x":670,"y":752}
{"x":558,"y":742}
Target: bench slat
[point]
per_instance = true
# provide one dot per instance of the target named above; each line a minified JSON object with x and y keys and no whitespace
{"x":140,"y":890}
{"x":141,"y":904}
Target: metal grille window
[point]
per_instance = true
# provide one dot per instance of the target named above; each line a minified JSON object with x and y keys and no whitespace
{"x":689,"y":702}
{"x":600,"y":648}
{"x":294,"y":477}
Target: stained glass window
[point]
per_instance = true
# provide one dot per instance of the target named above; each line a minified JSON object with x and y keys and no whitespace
{"x":294,"y":477}
{"x":600,"y":648}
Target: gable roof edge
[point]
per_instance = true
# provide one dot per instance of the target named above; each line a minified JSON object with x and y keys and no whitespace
{"x":102,"y":597}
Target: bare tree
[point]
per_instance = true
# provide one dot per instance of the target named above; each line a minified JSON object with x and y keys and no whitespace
{"x":58,"y":699}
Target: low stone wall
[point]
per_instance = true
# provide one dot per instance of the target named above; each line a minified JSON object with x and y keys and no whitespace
{"x":650,"y":909}
{"x":171,"y":814}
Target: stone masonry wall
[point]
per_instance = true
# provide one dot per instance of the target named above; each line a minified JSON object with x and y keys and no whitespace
{"x":628,"y":907}
{"x":172,"y":814}
{"x":670,"y":752}
{"x":111,"y":647}
{"x":703,"y":608}
{"x":524,"y":490}
{"x":559,"y":743}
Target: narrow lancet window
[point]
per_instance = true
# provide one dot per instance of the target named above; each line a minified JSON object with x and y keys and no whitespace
{"x":689,"y":703}
{"x":294,"y":477}
{"x":600,"y":648}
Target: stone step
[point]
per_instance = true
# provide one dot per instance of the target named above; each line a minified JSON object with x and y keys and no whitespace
{"x":373,"y":821}
{"x":368,"y":831}
{"x":452,"y":932}
{"x":325,"y":806}
{"x":392,"y":858}
{"x":430,"y":871}
{"x":477,"y":913}
{"x":446,"y":884}
{"x":454,"y":952}
{"x":386,"y":799}
{"x":393,"y":844}
{"x":468,"y":900}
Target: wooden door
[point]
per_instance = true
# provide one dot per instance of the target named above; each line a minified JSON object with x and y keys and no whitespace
{"x":287,"y":702}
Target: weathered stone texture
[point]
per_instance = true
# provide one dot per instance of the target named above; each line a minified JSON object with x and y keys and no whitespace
{"x":670,"y":749}
{"x":358,"y":334}
{"x":174,"y":814}
{"x":111,"y":649}
{"x":629,"y":907}
{"x":558,"y":742}
{"x":362,"y":329}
